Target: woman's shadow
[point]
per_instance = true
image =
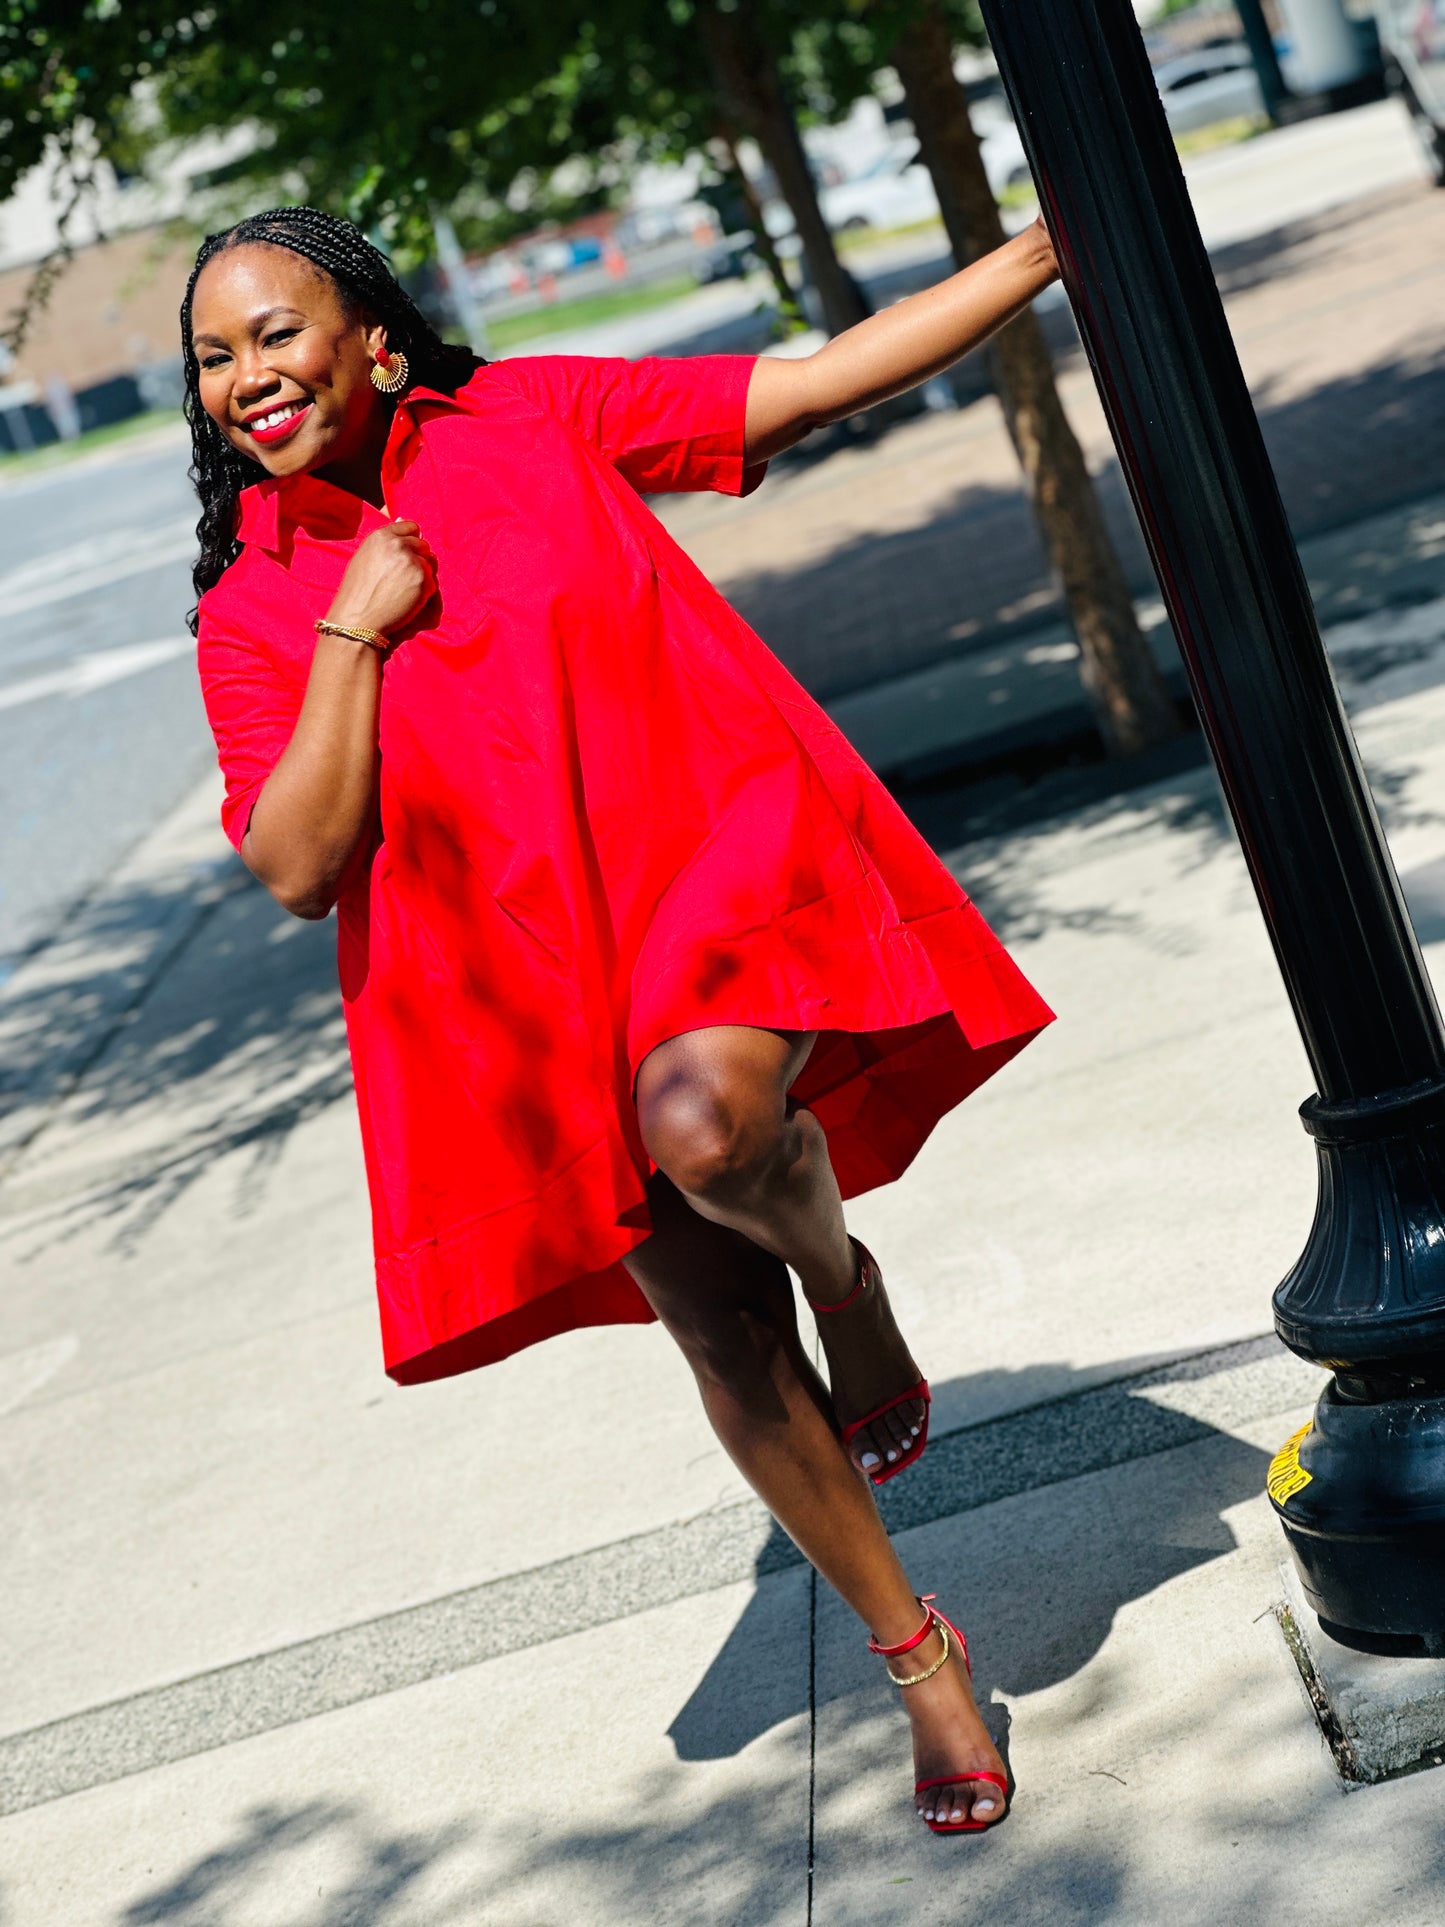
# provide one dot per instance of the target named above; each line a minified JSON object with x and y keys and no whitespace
{"x":1037,"y":1586}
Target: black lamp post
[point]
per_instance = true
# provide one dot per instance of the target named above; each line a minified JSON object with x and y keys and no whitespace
{"x":1361,"y":1494}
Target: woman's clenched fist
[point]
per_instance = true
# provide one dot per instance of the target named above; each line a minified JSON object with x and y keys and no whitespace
{"x":387,"y":580}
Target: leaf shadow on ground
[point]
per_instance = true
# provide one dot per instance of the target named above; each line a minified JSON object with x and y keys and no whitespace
{"x":232,"y":1046}
{"x":739,"y":1863}
{"x":382,"y":1868}
{"x":730,"y":1850}
{"x":1005,"y":852}
{"x":732,"y":1705}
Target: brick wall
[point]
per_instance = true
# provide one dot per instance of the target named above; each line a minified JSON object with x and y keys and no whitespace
{"x":113,"y":310}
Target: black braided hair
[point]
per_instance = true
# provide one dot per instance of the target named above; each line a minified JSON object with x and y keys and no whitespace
{"x":366,"y":284}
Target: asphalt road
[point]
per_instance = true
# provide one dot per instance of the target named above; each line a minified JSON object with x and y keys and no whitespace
{"x":101,"y":725}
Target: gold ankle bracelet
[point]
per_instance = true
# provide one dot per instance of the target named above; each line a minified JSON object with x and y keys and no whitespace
{"x":917,"y":1679}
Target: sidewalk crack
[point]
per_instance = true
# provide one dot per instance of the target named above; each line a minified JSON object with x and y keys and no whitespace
{"x":812,"y":1733}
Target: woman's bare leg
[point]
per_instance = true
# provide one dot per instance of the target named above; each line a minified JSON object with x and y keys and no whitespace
{"x":730,"y":1308}
{"x":716,"y":1117}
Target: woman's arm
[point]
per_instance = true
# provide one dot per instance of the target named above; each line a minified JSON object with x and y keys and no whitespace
{"x":313,"y":818}
{"x":896,"y":349}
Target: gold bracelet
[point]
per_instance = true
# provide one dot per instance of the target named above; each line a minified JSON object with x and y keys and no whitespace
{"x":373,"y":638}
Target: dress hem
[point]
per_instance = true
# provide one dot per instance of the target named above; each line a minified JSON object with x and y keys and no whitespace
{"x":872,"y":1140}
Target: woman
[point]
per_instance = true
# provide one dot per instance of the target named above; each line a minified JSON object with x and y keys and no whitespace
{"x":643,"y":970}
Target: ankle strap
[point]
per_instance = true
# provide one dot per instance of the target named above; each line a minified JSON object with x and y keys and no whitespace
{"x":865,"y":1264}
{"x":930,"y":1620}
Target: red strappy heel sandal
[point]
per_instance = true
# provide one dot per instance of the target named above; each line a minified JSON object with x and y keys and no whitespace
{"x":932,"y":1617}
{"x":867,"y":1272}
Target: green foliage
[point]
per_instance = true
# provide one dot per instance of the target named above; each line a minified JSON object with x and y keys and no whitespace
{"x":68,"y":75}
{"x":386,"y":109}
{"x":377,"y":110}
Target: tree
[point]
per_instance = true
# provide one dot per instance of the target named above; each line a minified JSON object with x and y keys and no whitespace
{"x":1120,"y":675}
{"x":746,"y":72}
{"x":737,"y":202}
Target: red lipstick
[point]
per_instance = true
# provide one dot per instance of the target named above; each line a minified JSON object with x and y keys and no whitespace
{"x":281,"y":430}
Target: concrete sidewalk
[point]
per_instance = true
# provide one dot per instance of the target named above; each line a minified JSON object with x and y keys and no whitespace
{"x":290,"y":1647}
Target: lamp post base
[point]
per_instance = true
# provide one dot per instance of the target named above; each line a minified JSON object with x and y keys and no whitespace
{"x":1360,"y":1493}
{"x":1368,"y":1292}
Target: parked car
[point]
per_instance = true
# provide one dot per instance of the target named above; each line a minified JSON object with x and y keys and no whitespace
{"x":897,"y":189}
{"x":1212,"y":84}
{"x":894,"y":191}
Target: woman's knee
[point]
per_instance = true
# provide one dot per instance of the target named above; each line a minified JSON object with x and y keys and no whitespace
{"x":714,"y":1136}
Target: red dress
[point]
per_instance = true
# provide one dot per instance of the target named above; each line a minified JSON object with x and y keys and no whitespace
{"x":608,"y":815}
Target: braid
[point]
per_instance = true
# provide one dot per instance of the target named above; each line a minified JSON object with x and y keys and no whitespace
{"x":366,"y":284}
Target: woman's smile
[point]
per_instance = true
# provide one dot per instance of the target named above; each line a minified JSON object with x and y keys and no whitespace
{"x":275,"y":424}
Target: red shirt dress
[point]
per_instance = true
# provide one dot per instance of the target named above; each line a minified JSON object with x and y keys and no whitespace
{"x":608,"y":815}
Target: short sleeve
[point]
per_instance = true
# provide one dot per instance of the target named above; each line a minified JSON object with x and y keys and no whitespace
{"x":668,"y":423}
{"x":252,"y":707}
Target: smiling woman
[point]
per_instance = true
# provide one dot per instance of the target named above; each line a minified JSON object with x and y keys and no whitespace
{"x":644,"y":971}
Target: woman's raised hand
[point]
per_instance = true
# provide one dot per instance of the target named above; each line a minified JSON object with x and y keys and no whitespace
{"x":387,"y":580}
{"x":1040,"y":228}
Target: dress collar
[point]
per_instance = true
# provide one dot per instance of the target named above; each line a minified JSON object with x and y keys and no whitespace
{"x":267,"y":511}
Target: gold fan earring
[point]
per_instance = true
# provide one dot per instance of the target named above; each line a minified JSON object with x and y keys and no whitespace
{"x":390,"y":372}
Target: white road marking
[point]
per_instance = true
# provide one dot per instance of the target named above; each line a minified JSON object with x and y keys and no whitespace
{"x":93,"y":671}
{"x":94,"y":564}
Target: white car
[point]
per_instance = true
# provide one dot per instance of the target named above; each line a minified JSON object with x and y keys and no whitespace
{"x":894,"y":191}
{"x":1216,"y":83}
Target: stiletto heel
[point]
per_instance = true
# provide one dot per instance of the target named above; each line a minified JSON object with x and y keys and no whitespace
{"x":933,"y":1618}
{"x":867,"y":1272}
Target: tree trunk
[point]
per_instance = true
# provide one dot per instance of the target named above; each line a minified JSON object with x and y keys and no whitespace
{"x":1260,"y":41}
{"x":751,"y":89}
{"x":788,"y":305}
{"x":1120,"y":676}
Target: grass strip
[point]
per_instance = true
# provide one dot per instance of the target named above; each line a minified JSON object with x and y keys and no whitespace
{"x":562,"y":316}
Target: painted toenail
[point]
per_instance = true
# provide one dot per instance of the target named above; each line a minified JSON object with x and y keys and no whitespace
{"x":891,"y":1457}
{"x":984,"y":1806}
{"x":870,"y":1459}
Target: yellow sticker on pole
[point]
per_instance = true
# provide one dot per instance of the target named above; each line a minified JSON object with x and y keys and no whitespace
{"x":1286,"y":1475}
